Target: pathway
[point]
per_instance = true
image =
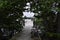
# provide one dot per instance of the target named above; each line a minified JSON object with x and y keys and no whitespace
{"x":25,"y":35}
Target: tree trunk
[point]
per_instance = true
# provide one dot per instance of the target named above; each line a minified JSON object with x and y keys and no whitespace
{"x":58,"y":22}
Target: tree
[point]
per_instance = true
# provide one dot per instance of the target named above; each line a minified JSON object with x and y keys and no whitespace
{"x":47,"y":10}
{"x":11,"y":12}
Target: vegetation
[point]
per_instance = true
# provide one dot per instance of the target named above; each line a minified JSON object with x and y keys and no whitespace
{"x":48,"y":10}
{"x":11,"y":21}
{"x":11,"y":12}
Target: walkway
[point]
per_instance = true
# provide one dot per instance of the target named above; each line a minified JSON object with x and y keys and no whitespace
{"x":25,"y":34}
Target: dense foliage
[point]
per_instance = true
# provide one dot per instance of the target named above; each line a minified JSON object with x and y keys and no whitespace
{"x":11,"y":12}
{"x":47,"y":10}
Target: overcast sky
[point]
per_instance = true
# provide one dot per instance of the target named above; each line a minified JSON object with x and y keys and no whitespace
{"x":28,"y":14}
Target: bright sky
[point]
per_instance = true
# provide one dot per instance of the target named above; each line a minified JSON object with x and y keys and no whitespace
{"x":28,"y":14}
